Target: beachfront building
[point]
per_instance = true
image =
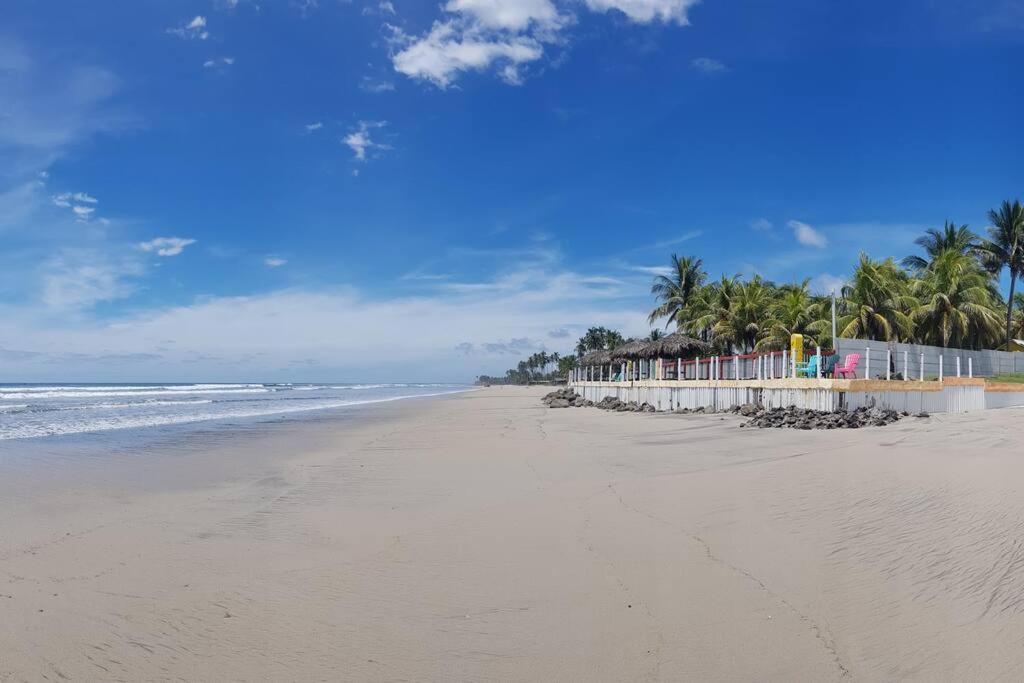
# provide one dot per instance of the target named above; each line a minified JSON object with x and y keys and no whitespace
{"x":671,"y":374}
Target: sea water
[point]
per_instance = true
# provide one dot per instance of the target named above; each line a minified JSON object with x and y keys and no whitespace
{"x":41,"y":410}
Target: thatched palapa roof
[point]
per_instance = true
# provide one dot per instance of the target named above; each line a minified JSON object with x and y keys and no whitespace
{"x":600,"y":357}
{"x":679,"y":345}
{"x":632,"y":350}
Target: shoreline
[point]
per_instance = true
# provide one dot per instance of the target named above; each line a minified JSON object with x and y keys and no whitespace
{"x":483,"y":536}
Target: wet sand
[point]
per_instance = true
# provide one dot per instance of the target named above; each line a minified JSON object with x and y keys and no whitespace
{"x":484,"y":537}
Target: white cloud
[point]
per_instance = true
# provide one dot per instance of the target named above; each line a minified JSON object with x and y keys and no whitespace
{"x":651,"y":270}
{"x":514,"y":15}
{"x":646,"y":11}
{"x":807,"y":235}
{"x":708,"y":66}
{"x":450,"y":48}
{"x":506,"y":35}
{"x":81,"y":278}
{"x":166,"y":246}
{"x":267,"y":334}
{"x":383,"y":7}
{"x":274,"y":262}
{"x":310,"y":127}
{"x":193,"y":30}
{"x":374,"y":85}
{"x":761,"y":224}
{"x":218,"y":62}
{"x":826,"y":283}
{"x":359,"y":140}
{"x":81,"y":204}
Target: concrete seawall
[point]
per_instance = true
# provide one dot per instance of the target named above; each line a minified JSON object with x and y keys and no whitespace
{"x":955,"y":395}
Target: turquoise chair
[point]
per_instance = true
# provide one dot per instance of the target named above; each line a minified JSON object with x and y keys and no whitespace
{"x":809,"y":370}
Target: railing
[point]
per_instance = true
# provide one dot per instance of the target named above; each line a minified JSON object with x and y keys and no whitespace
{"x":763,"y":365}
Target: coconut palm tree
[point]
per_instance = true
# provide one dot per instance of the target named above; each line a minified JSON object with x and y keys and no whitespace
{"x":745,"y":320}
{"x":707,"y":306}
{"x":597,"y":339}
{"x":795,"y":311}
{"x":956,"y":303}
{"x":876,"y":302}
{"x":1004,"y":248}
{"x":673,"y":291}
{"x":934,"y":242}
{"x":655,"y":335}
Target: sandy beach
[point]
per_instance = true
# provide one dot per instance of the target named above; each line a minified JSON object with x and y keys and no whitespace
{"x":484,"y":537}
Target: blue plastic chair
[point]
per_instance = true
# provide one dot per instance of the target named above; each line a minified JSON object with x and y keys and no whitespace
{"x":811,"y":369}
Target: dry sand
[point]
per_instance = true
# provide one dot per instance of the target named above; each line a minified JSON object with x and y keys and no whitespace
{"x":484,"y":537}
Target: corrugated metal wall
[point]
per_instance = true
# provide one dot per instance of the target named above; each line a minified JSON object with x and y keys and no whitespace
{"x":985,"y":363}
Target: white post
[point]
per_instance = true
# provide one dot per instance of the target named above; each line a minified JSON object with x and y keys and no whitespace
{"x":958,"y":366}
{"x":792,"y":366}
{"x":622,"y":377}
{"x":867,"y":363}
{"x":817,"y":365}
{"x":679,"y":368}
{"x":736,"y":365}
{"x":906,"y":366}
{"x":785,"y":362}
{"x":920,"y":377}
{"x":718,"y":367}
{"x":970,"y":366}
{"x":696,"y":368}
{"x":888,"y":364}
{"x":940,"y":367}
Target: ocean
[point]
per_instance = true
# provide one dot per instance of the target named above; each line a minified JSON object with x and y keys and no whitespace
{"x":32,"y":411}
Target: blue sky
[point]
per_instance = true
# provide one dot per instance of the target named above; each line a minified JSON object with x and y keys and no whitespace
{"x":366,"y":190}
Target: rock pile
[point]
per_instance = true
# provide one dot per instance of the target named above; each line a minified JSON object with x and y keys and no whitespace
{"x":800,"y":418}
{"x":564,"y":398}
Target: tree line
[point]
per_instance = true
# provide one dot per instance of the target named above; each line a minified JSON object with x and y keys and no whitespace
{"x":948,"y":295}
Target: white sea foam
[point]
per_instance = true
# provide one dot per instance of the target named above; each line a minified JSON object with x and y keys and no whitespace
{"x":128,"y":421}
{"x":72,"y":392}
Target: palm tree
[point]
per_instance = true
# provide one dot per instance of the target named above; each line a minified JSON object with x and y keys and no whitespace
{"x":1018,"y":316}
{"x":1005,"y":249}
{"x":744,"y":322}
{"x":597,"y":339}
{"x":673,"y":292}
{"x":655,"y":335}
{"x":934,"y":242}
{"x":876,"y":302}
{"x":796,"y":311}
{"x":957,"y":306}
{"x":708,"y":306}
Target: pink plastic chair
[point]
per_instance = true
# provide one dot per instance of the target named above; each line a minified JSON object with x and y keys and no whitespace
{"x":848,"y":366}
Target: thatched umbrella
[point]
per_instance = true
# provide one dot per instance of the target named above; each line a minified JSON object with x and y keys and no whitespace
{"x":678,"y":345}
{"x":599,"y":357}
{"x":632,"y":350}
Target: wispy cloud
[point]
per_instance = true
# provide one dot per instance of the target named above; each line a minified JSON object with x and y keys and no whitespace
{"x":647,"y":11}
{"x":218,"y":63}
{"x":317,"y":125}
{"x":706,"y":65}
{"x":81,"y":278}
{"x":166,"y":246}
{"x":274,"y":261}
{"x":807,"y":235}
{"x":375,"y":85}
{"x":191,"y":30}
{"x":670,"y":242}
{"x":359,"y":139}
{"x":761,"y":225}
{"x":826,"y":283}
{"x":81,"y":205}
